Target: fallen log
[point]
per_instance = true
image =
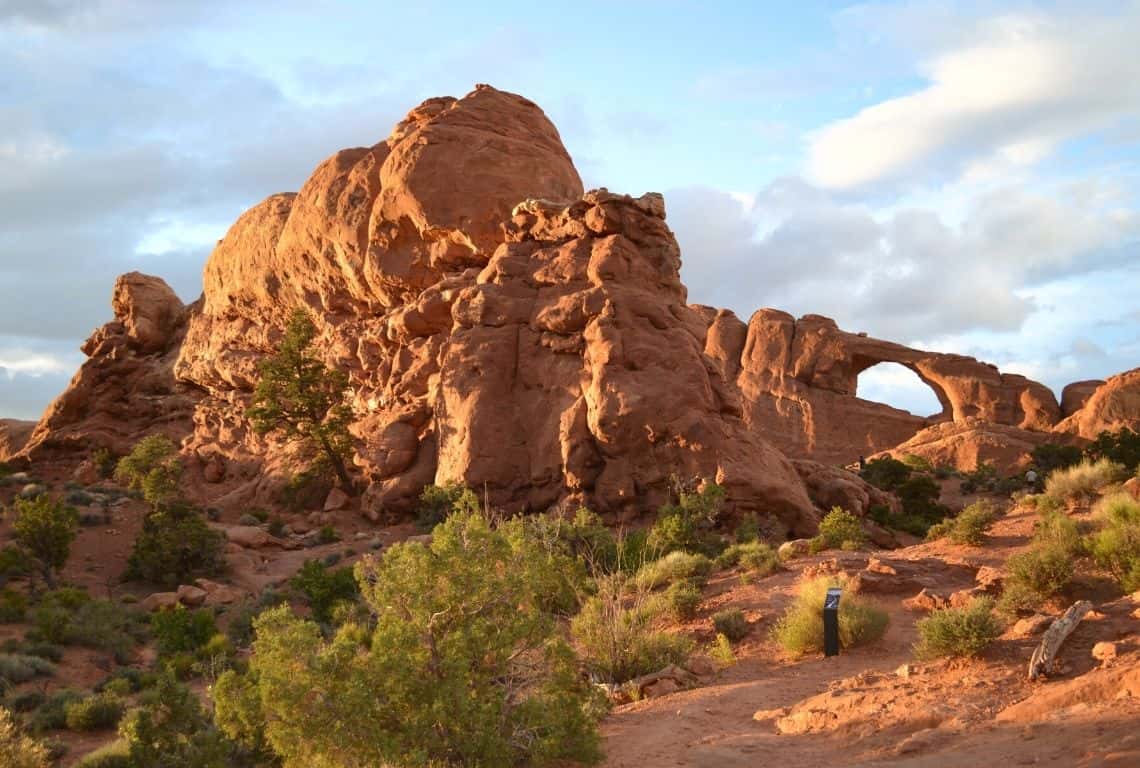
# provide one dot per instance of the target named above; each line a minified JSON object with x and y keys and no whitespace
{"x":1045,"y":655}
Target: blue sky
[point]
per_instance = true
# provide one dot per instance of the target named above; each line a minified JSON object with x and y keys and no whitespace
{"x":958,"y":176}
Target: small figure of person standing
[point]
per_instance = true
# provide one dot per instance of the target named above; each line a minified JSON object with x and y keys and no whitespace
{"x":1031,"y":480}
{"x":862,"y":463}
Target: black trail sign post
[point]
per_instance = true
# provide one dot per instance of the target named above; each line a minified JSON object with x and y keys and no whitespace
{"x":831,"y":622}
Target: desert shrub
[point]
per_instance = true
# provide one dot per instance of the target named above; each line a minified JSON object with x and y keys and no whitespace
{"x":919,"y":496}
{"x":169,"y":729}
{"x":1121,"y":447}
{"x":13,"y":564}
{"x":1116,"y":546}
{"x":633,"y":551}
{"x":113,"y":755}
{"x":1083,"y":480}
{"x":94,"y":713}
{"x":16,"y":668}
{"x":885,"y":473}
{"x":558,"y":578}
{"x":438,"y":501}
{"x":459,"y":639}
{"x":583,"y":537}
{"x":688,"y":525}
{"x":51,"y":715}
{"x":1049,"y":457}
{"x":152,"y":468}
{"x":969,"y":527}
{"x":917,"y":463}
{"x":754,"y":556}
{"x":71,"y":617}
{"x":673,"y":567}
{"x":837,"y":527}
{"x":45,"y":528}
{"x":732,"y":624}
{"x":684,"y":599}
{"x":1055,"y":530}
{"x":748,"y":529}
{"x":307,"y":489}
{"x":46,"y":651}
{"x":25,"y":701}
{"x":18,"y":750}
{"x":276,"y":527}
{"x":721,"y":652}
{"x":327,"y":535}
{"x":174,"y":547}
{"x":964,"y":631}
{"x":616,"y":635}
{"x":324,"y":588}
{"x":1034,"y":576}
{"x":248,"y":519}
{"x":182,"y":631}
{"x":13,"y":606}
{"x":800,"y":629}
{"x":104,"y":462}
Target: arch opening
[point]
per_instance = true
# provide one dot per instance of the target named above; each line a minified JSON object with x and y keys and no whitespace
{"x":899,"y":387}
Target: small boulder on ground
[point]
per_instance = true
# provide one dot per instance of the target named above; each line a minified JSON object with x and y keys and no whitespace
{"x":337,"y":499}
{"x":790,"y":550}
{"x":159,"y":601}
{"x":926,"y":601}
{"x":1104,"y":652}
{"x":191,"y":596}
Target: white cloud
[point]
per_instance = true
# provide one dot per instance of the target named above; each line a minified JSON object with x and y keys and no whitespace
{"x":1005,"y":95}
{"x":899,"y":271}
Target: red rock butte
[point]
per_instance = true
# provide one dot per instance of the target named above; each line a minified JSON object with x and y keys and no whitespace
{"x":503,"y":328}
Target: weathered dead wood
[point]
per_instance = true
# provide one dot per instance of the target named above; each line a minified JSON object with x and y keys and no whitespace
{"x":1044,"y":656}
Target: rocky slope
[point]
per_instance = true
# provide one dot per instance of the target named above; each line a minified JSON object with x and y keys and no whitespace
{"x":503,"y":328}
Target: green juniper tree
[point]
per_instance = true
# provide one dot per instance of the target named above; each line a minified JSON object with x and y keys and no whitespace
{"x":301,"y":397}
{"x":45,"y":528}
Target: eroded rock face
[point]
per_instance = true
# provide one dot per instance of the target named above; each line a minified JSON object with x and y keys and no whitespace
{"x":126,"y":389}
{"x":797,"y":380}
{"x":1113,"y":405}
{"x":502,"y":328}
{"x":13,"y":435}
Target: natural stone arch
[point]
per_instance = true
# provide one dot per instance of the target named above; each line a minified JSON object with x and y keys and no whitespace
{"x":863,"y":363}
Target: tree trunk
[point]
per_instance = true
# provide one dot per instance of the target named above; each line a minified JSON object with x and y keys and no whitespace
{"x":341,"y":470}
{"x":1041,"y":663}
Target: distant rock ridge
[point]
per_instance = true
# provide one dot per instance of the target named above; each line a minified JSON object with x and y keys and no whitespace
{"x":504,"y":328}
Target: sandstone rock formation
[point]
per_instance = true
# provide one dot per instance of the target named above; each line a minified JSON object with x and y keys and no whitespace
{"x":13,"y":435}
{"x":1113,"y":405}
{"x":503,"y":328}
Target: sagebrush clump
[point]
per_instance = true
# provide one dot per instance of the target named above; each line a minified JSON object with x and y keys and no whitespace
{"x":839,"y":528}
{"x":1116,"y":546}
{"x":800,"y":630}
{"x":969,"y":527}
{"x":964,"y":631}
{"x":1080,"y":482}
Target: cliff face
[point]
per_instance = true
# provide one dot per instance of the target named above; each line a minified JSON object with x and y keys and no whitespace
{"x":501,"y":328}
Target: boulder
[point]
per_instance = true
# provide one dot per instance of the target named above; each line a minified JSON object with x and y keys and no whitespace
{"x":1104,"y":652}
{"x":191,"y":596}
{"x":159,"y":601}
{"x":790,"y":550}
{"x":337,"y":499}
{"x":148,"y":309}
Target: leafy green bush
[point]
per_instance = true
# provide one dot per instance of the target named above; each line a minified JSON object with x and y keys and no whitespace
{"x":1034,"y":576}
{"x":800,"y":629}
{"x":113,"y":755}
{"x":1116,"y":546}
{"x":721,"y":652}
{"x":885,"y":473}
{"x":616,"y":635}
{"x":1083,"y":480}
{"x":917,"y":463}
{"x":169,"y":729}
{"x":684,"y":599}
{"x":13,"y":606}
{"x":16,"y":668}
{"x":755,"y":556}
{"x":181,"y":631}
{"x":51,"y":715}
{"x":688,"y":525}
{"x":748,"y":529}
{"x":175,"y":546}
{"x":45,"y":528}
{"x":439,"y":501}
{"x":18,"y":750}
{"x":1049,"y":457}
{"x":323,"y":588}
{"x":969,"y":527}
{"x":962,"y":631}
{"x":583,"y":537}
{"x":1121,"y":447}
{"x":71,"y":617}
{"x":460,"y":639}
{"x":838,"y":527}
{"x":674,"y":566}
{"x":94,"y":713}
{"x":732,"y":624}
{"x":153,"y":468}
